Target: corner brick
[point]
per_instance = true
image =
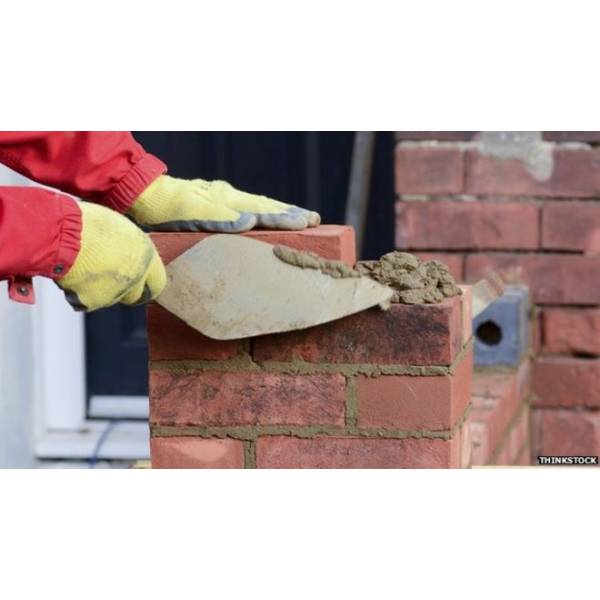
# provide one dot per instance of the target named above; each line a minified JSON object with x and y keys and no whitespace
{"x":169,"y":338}
{"x":563,"y":381}
{"x":334,"y":242}
{"x":566,"y":433}
{"x":576,"y":173}
{"x":196,"y":453}
{"x":279,"y":452}
{"x":210,"y":398}
{"x":467,"y":225}
{"x":571,"y":330}
{"x":454,"y":262}
{"x":552,"y":278}
{"x":429,"y":170}
{"x":408,"y":335}
{"x":409,"y":403}
{"x":571,"y":226}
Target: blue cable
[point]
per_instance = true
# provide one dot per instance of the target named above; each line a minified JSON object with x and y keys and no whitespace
{"x":94,"y":457}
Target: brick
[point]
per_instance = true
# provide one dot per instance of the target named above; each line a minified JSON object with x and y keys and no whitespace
{"x":467,"y":312}
{"x":571,"y":330}
{"x":210,"y":398}
{"x":429,"y":170}
{"x":355,"y":453}
{"x":552,"y":278}
{"x":440,"y":136}
{"x":576,"y":173}
{"x":334,"y":242}
{"x":467,"y":225}
{"x":466,"y":445}
{"x":480,"y":450}
{"x":571,"y":226}
{"x":196,"y":453}
{"x":566,"y":433}
{"x":454,"y":262}
{"x":503,"y":458}
{"x":563,"y":381}
{"x":408,"y":335}
{"x":411,"y":403}
{"x":518,"y":435}
{"x":524,"y":458}
{"x":169,"y":338}
{"x":572,"y":136}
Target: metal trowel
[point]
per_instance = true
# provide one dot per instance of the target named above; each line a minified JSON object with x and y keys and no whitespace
{"x":229,"y":287}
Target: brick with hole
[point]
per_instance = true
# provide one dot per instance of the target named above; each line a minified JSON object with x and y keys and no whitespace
{"x":226,"y":399}
{"x":429,"y":334}
{"x":187,"y":452}
{"x":552,"y":278}
{"x":467,"y":225}
{"x":273,"y":452}
{"x":427,"y":169}
{"x":564,"y":381}
{"x":566,"y":432}
{"x":405,"y":402}
{"x":575,"y":173}
{"x":571,"y":331}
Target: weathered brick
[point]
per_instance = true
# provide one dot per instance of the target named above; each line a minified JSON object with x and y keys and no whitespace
{"x":563,"y":381}
{"x":429,"y":169}
{"x":169,"y":338}
{"x":552,"y":278}
{"x":572,"y":136}
{"x":410,"y":403}
{"x":571,"y":330}
{"x":576,"y":173}
{"x":571,"y":226}
{"x":196,"y":453}
{"x":467,"y":225}
{"x":334,"y":242}
{"x":454,"y":262}
{"x":566,"y":433}
{"x":211,"y":398}
{"x":356,"y":453}
{"x":410,"y":335}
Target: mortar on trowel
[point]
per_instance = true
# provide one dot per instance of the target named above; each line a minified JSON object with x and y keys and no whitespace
{"x":231,"y":287}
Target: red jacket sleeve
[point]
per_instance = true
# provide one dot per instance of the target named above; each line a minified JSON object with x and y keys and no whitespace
{"x":108,"y":167}
{"x":40,"y":232}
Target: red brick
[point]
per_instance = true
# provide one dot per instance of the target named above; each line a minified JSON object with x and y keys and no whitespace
{"x":566,"y":433}
{"x":355,"y":453}
{"x":467,"y":225}
{"x":454,"y":262}
{"x":169,"y":338}
{"x":466,"y":445}
{"x":571,"y":330}
{"x":467,"y":312}
{"x":503,"y":458}
{"x":576,"y":173}
{"x":565,"y":381}
{"x":408,"y":335}
{"x":481,"y":450}
{"x":571,"y":226}
{"x":429,"y":170}
{"x":552,"y":278}
{"x":196,"y":453}
{"x":518,"y":435}
{"x":334,"y":242}
{"x":409,"y":403}
{"x":211,"y":398}
{"x":524,"y":459}
{"x":572,"y":136}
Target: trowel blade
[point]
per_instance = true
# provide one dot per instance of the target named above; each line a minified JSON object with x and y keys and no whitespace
{"x":229,"y":287}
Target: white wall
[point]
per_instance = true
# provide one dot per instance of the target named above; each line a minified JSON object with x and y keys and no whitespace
{"x":17,"y":406}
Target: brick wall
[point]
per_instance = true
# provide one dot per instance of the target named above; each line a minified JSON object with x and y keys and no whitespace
{"x":374,"y":390}
{"x":526,"y":205}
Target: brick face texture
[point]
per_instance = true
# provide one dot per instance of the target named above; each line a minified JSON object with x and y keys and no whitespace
{"x":375,"y":390}
{"x":534,"y":228}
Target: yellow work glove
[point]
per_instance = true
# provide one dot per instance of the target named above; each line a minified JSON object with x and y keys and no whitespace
{"x":117,"y":262}
{"x":170,"y":204}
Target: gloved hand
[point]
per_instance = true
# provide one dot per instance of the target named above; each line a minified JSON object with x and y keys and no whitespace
{"x":117,"y":262}
{"x":170,"y":204}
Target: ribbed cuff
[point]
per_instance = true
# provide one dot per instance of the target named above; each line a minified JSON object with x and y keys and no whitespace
{"x":69,"y":241}
{"x":141,"y":175}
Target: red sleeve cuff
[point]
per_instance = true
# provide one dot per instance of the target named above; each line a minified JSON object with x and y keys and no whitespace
{"x":141,"y":175}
